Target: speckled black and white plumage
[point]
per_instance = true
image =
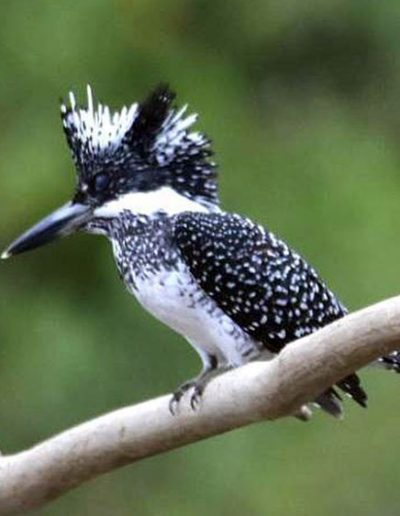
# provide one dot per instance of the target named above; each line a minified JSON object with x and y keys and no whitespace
{"x":263,"y":285}
{"x":226,"y":284}
{"x":229,"y":286}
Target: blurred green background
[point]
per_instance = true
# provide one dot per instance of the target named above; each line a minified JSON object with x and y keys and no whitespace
{"x":302,"y":101}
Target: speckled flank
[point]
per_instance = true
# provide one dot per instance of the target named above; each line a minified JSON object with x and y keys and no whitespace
{"x":267,"y":289}
{"x":150,"y":263}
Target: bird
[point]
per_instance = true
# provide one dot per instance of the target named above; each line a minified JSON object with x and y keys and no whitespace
{"x":236,"y":292}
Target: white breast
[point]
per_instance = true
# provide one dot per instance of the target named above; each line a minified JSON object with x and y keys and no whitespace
{"x":174,"y":298}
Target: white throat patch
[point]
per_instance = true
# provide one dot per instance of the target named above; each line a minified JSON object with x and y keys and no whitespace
{"x":164,"y":200}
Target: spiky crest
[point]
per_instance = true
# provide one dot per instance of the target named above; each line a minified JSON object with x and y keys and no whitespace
{"x":145,"y":146}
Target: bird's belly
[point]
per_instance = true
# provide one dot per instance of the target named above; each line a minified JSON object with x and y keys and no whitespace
{"x":174,"y":298}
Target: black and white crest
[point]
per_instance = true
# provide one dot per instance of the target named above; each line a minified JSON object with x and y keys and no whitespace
{"x":141,"y":148}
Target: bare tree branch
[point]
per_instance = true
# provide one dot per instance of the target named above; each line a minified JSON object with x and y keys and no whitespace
{"x":255,"y":392}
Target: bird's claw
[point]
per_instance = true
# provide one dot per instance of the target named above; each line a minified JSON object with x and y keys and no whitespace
{"x":195,"y":398}
{"x":177,"y":396}
{"x":173,"y":404}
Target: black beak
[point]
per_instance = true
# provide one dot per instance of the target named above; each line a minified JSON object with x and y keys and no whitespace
{"x":61,"y":222}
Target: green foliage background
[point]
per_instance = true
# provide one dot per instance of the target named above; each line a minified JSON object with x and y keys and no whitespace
{"x":302,"y":101}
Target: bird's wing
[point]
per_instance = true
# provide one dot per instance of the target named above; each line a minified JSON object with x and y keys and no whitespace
{"x":265,"y":287}
{"x":256,"y":279}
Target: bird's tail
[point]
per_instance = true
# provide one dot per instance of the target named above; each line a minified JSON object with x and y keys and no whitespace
{"x":390,"y":362}
{"x":330,"y":400}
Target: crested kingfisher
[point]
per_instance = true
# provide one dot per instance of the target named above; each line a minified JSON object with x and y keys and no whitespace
{"x":229,"y":286}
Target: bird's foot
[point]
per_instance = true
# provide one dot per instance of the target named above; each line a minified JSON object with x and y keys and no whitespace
{"x":178,"y":394}
{"x":197,"y":385}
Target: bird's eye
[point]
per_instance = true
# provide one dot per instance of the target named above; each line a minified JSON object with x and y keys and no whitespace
{"x":100,"y":182}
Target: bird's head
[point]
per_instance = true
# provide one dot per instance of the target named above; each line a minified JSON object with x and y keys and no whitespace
{"x":143,"y":159}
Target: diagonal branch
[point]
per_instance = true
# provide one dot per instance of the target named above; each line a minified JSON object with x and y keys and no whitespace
{"x":255,"y":392}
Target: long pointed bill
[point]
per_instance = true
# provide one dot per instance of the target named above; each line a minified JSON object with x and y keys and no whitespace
{"x":61,"y":222}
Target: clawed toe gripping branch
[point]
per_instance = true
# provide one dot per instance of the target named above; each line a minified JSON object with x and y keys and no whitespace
{"x":255,"y":392}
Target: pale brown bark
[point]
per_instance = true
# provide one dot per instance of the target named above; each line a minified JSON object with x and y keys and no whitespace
{"x":255,"y":392}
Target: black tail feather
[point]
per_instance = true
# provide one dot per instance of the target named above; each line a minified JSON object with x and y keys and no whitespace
{"x":330,"y":402}
{"x":351,"y":385}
